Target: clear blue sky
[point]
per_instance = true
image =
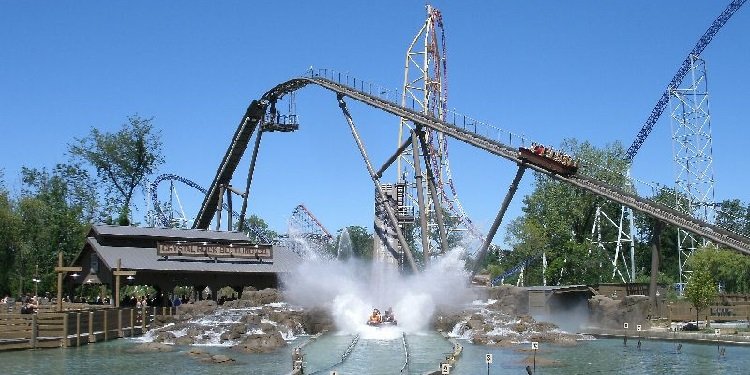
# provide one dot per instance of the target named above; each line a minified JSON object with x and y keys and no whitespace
{"x":550,"y":70}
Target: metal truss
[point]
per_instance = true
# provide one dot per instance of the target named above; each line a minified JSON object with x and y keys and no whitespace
{"x":693,"y":156}
{"x":426,"y":88}
{"x":623,"y":266}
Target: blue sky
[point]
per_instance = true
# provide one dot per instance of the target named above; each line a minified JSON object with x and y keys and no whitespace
{"x":549,"y":70}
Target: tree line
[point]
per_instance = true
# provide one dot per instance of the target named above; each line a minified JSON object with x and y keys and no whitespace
{"x":557,"y":221}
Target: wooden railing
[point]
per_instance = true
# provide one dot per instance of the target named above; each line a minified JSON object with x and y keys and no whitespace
{"x":74,"y":328}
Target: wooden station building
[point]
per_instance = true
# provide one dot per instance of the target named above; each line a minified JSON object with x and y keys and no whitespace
{"x":167,"y":258}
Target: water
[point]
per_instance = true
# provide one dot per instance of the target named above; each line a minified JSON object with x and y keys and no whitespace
{"x":385,"y":356}
{"x":349,"y":290}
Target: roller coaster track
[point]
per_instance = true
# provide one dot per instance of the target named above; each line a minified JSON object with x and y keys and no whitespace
{"x":164,"y":220}
{"x":364,"y":94}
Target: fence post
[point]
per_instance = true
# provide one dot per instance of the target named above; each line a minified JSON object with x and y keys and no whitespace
{"x":66,"y":329}
{"x":34,"y":331}
{"x":143,"y":320}
{"x":119,"y":322}
{"x":92,"y":335}
{"x":106,"y":325}
{"x":78,"y":329}
{"x":132,"y":322}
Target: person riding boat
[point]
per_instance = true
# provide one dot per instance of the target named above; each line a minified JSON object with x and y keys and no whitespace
{"x":375,"y":318}
{"x":388,"y":317}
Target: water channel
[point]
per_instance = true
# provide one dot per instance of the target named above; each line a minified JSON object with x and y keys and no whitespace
{"x":342,"y":289}
{"x":386,"y":356}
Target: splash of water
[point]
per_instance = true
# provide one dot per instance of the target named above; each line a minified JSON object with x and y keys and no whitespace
{"x":351,"y":289}
{"x":344,"y":247}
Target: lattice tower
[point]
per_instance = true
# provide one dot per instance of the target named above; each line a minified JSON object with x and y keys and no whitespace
{"x":426,"y":83}
{"x":693,"y":155}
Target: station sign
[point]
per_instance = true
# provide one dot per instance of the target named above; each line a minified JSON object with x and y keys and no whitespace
{"x":215,"y":250}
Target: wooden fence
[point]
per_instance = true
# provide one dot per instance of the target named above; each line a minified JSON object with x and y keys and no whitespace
{"x":683,"y":311}
{"x":74,"y":328}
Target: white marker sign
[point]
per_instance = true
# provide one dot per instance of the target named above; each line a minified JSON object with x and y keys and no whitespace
{"x":445,"y":369}
{"x":638,"y":328}
{"x":534,"y":345}
{"x":717,"y":332}
{"x":488,"y":358}
{"x":625,"y":325}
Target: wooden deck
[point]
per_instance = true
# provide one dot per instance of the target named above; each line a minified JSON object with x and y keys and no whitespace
{"x":74,"y":327}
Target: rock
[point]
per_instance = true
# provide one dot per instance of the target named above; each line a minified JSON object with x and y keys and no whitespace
{"x":164,"y":336}
{"x":608,"y":313}
{"x":251,"y":319}
{"x":262,"y":343}
{"x":219,"y":359}
{"x":262,"y":297}
{"x":234,"y":332}
{"x":511,"y":299}
{"x":151,"y":347}
{"x":197,"y":353}
{"x":446,"y":321}
{"x":184,"y":340}
{"x":317,"y":320}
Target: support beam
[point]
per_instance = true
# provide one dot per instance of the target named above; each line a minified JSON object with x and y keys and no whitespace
{"x":61,"y":272}
{"x":433,"y":190}
{"x":655,"y":255}
{"x":250,"y":173}
{"x":379,"y":189}
{"x":393,"y":158}
{"x":420,"y":199}
{"x":219,"y":206}
{"x":229,"y":208}
{"x":498,"y":219}
{"x":117,"y":273}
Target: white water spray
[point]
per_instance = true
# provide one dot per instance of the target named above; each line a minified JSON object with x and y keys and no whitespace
{"x":350,"y":290}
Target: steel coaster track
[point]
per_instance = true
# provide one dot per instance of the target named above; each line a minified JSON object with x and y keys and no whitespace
{"x":255,"y":113}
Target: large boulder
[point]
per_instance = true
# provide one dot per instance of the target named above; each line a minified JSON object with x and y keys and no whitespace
{"x":254,"y":298}
{"x":510,"y":299}
{"x":317,"y":320}
{"x":151,"y":347}
{"x":606,"y":312}
{"x":261,"y":343}
{"x":445,"y":321}
{"x":199,"y":308}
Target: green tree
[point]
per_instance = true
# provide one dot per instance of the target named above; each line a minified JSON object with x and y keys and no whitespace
{"x":54,"y":214}
{"x":557,"y":220}
{"x":728,"y":268}
{"x":10,"y":227}
{"x":701,"y":288}
{"x":257,"y":230}
{"x":734,"y":215}
{"x":361,"y":239}
{"x":122,"y":159}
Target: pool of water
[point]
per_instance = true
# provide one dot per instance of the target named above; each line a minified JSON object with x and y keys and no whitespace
{"x":386,"y":356}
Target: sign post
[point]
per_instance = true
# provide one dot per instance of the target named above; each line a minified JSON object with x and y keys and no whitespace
{"x":534,"y":347}
{"x":488,"y":359}
{"x":445,"y":368}
{"x":717,"y":332}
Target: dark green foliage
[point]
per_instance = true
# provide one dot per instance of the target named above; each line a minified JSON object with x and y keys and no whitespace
{"x":122,"y":160}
